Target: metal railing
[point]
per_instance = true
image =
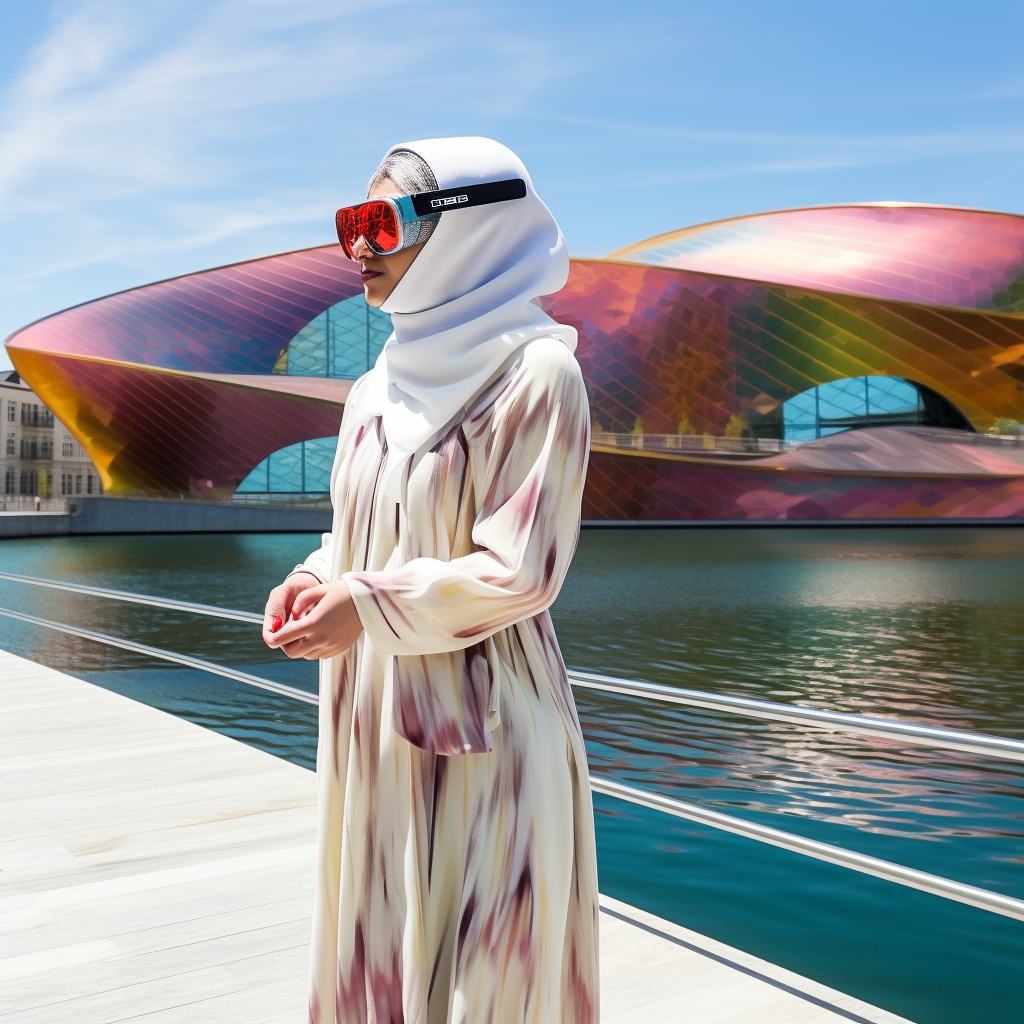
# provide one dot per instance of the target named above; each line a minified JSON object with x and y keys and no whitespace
{"x":162,"y":655}
{"x":752,"y":447}
{"x":975,"y":743}
{"x":985,"y":899}
{"x":32,"y":416}
{"x":703,"y":443}
{"x":123,"y":595}
{"x":27,"y":503}
{"x":836,"y":721}
{"x":839,"y":721}
{"x":224,"y":496}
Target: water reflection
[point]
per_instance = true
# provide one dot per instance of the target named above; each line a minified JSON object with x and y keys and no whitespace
{"x":922,"y":624}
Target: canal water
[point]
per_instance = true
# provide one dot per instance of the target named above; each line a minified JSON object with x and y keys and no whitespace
{"x":924,"y":624}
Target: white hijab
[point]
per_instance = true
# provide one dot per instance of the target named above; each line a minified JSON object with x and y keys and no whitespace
{"x":464,"y":309}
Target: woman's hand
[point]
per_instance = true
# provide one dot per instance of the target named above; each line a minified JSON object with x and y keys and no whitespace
{"x":282,"y":600}
{"x":323,"y":621}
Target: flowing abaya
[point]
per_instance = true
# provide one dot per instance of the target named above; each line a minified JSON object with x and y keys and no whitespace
{"x":456,"y":867}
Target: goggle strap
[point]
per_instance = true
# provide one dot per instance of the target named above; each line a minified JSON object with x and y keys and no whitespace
{"x":427,"y":203}
{"x":408,"y":211}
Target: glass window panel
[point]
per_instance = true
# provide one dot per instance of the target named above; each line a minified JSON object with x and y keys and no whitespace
{"x":801,"y":432}
{"x":299,"y":468}
{"x":286,"y":469}
{"x":842,"y":399}
{"x":802,"y":406}
{"x":319,"y":462}
{"x":892,"y":395}
{"x":256,"y":482}
{"x":343,"y":341}
{"x":357,"y":333}
{"x":307,"y":351}
{"x":852,"y":403}
{"x":798,"y":417}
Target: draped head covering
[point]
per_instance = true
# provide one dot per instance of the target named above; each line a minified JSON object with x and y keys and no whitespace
{"x":464,"y":308}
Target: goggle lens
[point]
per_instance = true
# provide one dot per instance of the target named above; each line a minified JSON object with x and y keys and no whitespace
{"x":374,"y":221}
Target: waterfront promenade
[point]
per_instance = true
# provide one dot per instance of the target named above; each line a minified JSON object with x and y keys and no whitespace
{"x":155,"y":871}
{"x":124,"y":516}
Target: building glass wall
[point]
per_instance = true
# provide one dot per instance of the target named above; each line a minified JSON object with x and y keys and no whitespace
{"x":343,"y":341}
{"x":303,"y":468}
{"x":850,"y":404}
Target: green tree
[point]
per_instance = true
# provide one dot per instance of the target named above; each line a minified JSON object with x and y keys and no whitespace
{"x":685,"y":426}
{"x":638,"y":427}
{"x":736,"y":426}
{"x":1005,"y":425}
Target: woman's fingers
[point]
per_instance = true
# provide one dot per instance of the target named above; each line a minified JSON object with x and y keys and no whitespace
{"x":323,"y":623}
{"x":281,"y":602}
{"x":297,"y":648}
{"x":288,"y":633}
{"x":307,"y":600}
{"x":276,"y":609}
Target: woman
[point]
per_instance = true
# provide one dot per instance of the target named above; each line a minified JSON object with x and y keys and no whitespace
{"x":457,"y":877}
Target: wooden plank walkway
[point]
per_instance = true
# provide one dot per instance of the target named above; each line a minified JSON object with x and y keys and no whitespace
{"x":154,"y":871}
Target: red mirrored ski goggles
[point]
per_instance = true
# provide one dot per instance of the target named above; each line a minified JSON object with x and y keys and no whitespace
{"x":387,"y":224}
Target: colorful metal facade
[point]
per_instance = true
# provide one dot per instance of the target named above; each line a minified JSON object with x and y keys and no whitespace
{"x":706,"y":332}
{"x":938,"y":256}
{"x":674,"y":347}
{"x":171,"y":387}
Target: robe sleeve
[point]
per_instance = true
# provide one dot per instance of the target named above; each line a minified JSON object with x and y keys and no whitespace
{"x":320,"y":562}
{"x":528,"y":458}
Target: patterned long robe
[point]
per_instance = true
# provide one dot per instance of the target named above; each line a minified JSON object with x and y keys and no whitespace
{"x":457,"y":874}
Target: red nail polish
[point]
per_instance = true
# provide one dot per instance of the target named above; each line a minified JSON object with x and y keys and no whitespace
{"x":275,"y":623}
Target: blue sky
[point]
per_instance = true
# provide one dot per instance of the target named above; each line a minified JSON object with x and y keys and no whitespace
{"x":140,"y":139}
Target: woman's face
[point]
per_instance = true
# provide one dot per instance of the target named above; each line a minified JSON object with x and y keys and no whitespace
{"x":381,"y":274}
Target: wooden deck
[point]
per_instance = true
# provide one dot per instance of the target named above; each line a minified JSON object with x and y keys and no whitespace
{"x":154,"y":871}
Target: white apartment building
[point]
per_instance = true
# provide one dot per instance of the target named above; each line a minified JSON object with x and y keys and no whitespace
{"x":38,"y":455}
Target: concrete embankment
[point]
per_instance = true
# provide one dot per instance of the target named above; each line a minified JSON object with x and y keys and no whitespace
{"x":144,"y":515}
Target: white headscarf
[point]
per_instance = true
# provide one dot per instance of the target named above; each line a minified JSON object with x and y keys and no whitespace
{"x":465,"y":306}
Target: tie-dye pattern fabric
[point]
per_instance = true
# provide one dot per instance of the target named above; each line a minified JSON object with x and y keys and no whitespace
{"x":457,"y":874}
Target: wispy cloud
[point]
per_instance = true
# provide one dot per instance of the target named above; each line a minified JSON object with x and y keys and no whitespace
{"x":715,"y":154}
{"x":139,"y":140}
{"x":136,"y":129}
{"x":222,"y":225}
{"x":868,"y":147}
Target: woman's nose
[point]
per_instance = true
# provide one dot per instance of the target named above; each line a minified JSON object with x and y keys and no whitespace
{"x":360,"y":250}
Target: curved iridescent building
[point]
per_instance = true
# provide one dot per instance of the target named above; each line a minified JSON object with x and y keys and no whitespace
{"x":722,"y":362}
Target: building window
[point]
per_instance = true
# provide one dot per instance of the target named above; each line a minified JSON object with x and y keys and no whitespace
{"x":300,"y":468}
{"x":88,"y":485}
{"x":46,"y":448}
{"x":29,"y":481}
{"x":34,"y":415}
{"x":858,"y":402}
{"x":9,"y":479}
{"x":78,"y":483}
{"x":10,"y":446}
{"x":343,"y":341}
{"x":30,"y":448}
{"x":67,"y":450}
{"x":65,"y":483}
{"x":11,"y":412}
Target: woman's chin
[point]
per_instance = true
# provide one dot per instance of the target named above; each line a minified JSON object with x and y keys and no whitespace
{"x":375,"y":297}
